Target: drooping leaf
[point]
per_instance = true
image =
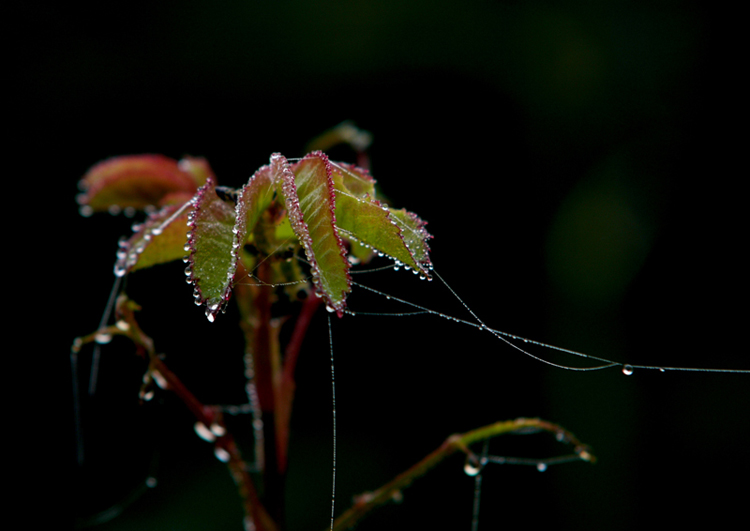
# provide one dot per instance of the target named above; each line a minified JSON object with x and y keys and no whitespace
{"x":137,"y":182}
{"x":160,"y":239}
{"x":310,"y":201}
{"x":365,"y":220}
{"x":415,"y":237}
{"x":213,"y":256}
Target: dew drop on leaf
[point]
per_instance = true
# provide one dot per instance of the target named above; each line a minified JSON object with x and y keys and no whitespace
{"x":203,"y":432}
{"x":103,"y":338}
{"x":470,"y":469}
{"x":221,"y":454}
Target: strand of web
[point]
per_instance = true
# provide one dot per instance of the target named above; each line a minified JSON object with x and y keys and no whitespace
{"x":475,"y":465}
{"x":93,"y":376}
{"x":333,"y":400}
{"x":252,"y":406}
{"x":508,"y":337}
{"x":505,"y":337}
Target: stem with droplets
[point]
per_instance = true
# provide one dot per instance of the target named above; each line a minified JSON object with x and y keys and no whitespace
{"x":366,"y":502}
{"x":208,"y":416}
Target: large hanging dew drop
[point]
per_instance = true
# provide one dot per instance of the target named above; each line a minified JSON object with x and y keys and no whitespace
{"x":627,"y":370}
{"x":203,"y":432}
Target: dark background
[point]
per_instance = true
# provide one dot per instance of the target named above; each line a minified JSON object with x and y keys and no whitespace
{"x":580,"y":168}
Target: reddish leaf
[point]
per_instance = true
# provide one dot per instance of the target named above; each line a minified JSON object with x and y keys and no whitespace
{"x":137,"y":182}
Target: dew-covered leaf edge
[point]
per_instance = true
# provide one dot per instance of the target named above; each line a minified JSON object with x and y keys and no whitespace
{"x":212,"y":254}
{"x":322,"y":243}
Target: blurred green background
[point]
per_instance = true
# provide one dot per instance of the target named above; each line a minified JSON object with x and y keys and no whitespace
{"x":579,"y":167}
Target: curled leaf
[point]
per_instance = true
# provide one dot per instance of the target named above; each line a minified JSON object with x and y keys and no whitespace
{"x":137,"y":182}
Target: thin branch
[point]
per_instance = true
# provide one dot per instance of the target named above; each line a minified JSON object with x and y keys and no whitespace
{"x":210,"y":417}
{"x":457,"y":442}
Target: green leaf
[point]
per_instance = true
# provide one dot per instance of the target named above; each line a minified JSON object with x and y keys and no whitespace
{"x":160,"y":239}
{"x":365,"y":220}
{"x":137,"y":182}
{"x":310,"y":201}
{"x":213,"y":255}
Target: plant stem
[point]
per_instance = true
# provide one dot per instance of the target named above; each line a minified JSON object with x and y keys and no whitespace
{"x":285,"y":388}
{"x":457,"y":442}
{"x":210,"y":417}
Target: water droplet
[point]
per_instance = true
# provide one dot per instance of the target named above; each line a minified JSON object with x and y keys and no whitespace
{"x":662,"y":369}
{"x":151,"y":482}
{"x":159,"y":379}
{"x":103,"y":338}
{"x":330,"y":308}
{"x":541,"y":467}
{"x":218,"y":429}
{"x":627,"y":370}
{"x":203,"y":432}
{"x":585,"y":456}
{"x":156,"y":231}
{"x":146,"y":395}
{"x":122,"y":325}
{"x":221,"y":454}
{"x":471,"y":469}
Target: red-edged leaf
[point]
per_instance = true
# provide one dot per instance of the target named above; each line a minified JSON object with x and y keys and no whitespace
{"x":160,"y":239}
{"x":136,"y":182}
{"x":213,"y":255}
{"x":310,"y":201}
